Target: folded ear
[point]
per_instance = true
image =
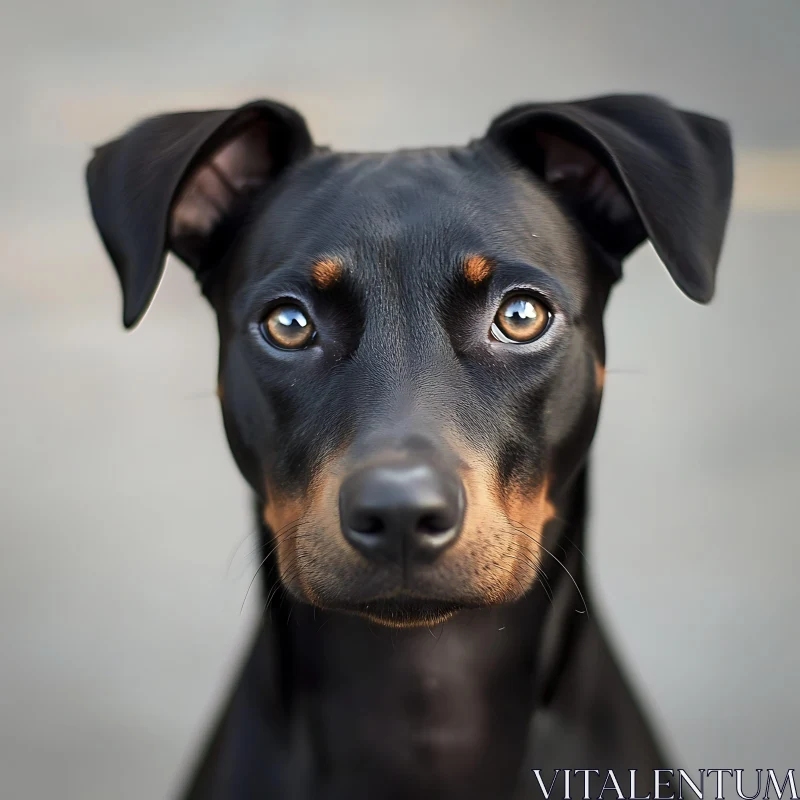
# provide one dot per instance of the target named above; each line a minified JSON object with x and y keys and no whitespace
{"x":173,"y":181}
{"x":630,"y":168}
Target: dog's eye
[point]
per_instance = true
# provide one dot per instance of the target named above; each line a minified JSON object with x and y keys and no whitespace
{"x":288,"y":327}
{"x":521,"y":318}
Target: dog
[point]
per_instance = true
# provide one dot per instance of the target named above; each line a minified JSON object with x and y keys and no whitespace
{"x":411,"y":366}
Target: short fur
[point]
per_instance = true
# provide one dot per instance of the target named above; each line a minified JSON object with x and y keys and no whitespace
{"x":402,"y":260}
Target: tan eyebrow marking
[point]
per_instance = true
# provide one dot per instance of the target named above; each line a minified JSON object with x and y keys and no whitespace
{"x":477,"y":269}
{"x":326,"y":272}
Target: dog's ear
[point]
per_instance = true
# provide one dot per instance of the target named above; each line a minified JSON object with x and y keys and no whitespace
{"x":630,"y":168}
{"x":174,"y":181}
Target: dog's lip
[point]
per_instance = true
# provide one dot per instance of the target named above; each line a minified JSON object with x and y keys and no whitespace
{"x":405,"y":607}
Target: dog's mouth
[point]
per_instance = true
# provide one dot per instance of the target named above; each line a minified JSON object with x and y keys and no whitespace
{"x":405,"y":611}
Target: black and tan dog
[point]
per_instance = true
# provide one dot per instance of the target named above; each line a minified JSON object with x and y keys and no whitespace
{"x":410,"y":371}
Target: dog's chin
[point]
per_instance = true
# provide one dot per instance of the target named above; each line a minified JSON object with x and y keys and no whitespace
{"x":404,"y":611}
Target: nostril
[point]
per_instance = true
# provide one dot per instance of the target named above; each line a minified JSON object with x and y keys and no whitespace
{"x":437,"y":522}
{"x":369,"y":524}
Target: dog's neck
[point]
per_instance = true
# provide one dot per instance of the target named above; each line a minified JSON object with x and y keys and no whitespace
{"x":446,"y":710}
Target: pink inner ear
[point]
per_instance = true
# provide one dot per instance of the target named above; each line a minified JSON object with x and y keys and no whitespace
{"x":239,"y":167}
{"x":573,"y":169}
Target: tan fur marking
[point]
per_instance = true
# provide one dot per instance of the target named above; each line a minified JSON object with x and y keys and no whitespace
{"x":307,"y":538}
{"x":528,"y":514}
{"x":220,"y":392}
{"x":326,"y":272}
{"x":599,"y":375}
{"x":496,"y":559}
{"x":477,"y":269}
{"x":499,"y":550}
{"x":282,"y":515}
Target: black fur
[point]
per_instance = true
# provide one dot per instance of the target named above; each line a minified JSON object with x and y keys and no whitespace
{"x":333,"y":703}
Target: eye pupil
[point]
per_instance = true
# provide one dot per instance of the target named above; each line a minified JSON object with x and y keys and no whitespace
{"x":288,"y":327}
{"x":520,"y":319}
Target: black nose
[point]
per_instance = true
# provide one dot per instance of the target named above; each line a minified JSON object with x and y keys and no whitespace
{"x":401,"y":511}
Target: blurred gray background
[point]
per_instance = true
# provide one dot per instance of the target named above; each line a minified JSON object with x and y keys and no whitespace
{"x":126,"y":538}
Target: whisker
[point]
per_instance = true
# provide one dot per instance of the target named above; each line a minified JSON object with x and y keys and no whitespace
{"x":253,"y":531}
{"x":283,"y":533}
{"x":522,"y":529}
{"x":279,"y":586}
{"x":539,"y":573}
{"x":573,"y":543}
{"x":435,"y":637}
{"x":513,"y":575}
{"x":542,"y":578}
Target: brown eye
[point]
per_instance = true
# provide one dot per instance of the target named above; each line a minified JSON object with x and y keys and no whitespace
{"x":288,"y":327}
{"x":521,"y":318}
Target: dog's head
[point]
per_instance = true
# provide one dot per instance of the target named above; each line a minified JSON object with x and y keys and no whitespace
{"x":411,"y":344}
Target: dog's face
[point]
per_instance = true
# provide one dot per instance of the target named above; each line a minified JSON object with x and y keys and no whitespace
{"x":431,"y":312}
{"x":411,"y":346}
